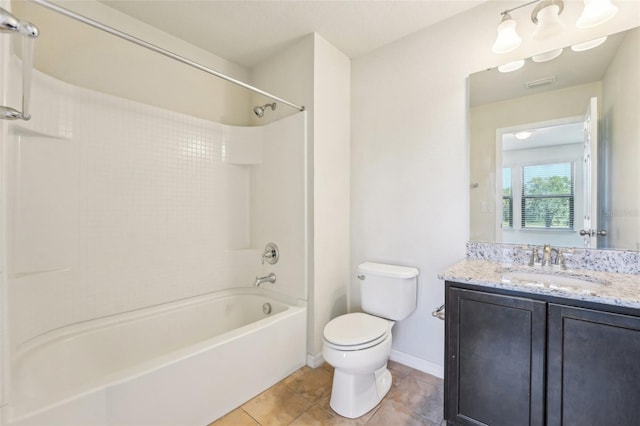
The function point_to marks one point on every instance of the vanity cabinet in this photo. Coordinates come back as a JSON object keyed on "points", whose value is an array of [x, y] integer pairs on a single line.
{"points": [[519, 359], [495, 359], [593, 367]]}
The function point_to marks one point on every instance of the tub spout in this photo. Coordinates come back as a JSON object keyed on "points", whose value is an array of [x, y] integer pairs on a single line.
{"points": [[271, 278]]}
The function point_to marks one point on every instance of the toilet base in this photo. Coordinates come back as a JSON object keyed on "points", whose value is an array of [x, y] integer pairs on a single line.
{"points": [[353, 395]]}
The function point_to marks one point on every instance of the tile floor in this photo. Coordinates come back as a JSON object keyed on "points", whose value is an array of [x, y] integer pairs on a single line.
{"points": [[415, 398]]}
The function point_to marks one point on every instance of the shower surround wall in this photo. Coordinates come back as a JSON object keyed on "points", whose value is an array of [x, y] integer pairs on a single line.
{"points": [[115, 206]]}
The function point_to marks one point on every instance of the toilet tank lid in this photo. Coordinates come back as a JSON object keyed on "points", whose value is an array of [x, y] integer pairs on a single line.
{"points": [[386, 270]]}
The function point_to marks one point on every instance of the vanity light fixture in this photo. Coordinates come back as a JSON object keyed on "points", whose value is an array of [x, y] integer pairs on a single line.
{"points": [[547, 56], [508, 39], [524, 135], [546, 16], [596, 12], [511, 66], [581, 47]]}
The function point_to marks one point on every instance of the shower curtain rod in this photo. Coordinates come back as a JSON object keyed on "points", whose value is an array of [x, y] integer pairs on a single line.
{"points": [[160, 50]]}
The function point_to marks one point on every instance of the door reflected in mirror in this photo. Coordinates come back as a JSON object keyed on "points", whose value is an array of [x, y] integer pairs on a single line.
{"points": [[545, 164], [541, 180]]}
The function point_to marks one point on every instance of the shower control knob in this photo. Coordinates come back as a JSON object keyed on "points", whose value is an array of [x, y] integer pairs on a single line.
{"points": [[271, 253]]}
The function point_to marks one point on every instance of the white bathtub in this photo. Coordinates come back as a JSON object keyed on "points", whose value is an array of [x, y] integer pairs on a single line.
{"points": [[184, 363]]}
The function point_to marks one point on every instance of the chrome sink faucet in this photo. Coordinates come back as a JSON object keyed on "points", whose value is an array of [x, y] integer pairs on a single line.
{"points": [[547, 258], [271, 278]]}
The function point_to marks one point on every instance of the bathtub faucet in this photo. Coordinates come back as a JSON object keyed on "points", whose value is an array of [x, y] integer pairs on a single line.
{"points": [[271, 278]]}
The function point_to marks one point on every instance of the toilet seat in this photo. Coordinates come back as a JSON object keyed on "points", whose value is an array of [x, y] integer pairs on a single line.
{"points": [[356, 331]]}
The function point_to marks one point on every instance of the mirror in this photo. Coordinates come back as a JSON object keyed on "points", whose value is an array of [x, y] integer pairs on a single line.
{"points": [[551, 99]]}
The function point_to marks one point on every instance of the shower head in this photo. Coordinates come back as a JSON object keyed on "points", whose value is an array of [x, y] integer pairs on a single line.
{"points": [[259, 110]]}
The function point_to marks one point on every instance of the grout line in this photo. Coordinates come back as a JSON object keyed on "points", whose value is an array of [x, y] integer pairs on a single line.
{"points": [[300, 415], [254, 419]]}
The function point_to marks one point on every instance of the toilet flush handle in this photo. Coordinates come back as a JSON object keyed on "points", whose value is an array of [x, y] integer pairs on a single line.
{"points": [[360, 277]]}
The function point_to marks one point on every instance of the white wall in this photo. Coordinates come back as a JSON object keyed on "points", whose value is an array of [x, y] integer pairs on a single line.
{"points": [[290, 75], [621, 137], [79, 54], [315, 74], [332, 72], [277, 203], [409, 152]]}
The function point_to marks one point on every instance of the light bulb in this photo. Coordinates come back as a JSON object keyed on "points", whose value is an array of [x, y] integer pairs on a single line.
{"points": [[547, 56], [596, 12], [511, 66], [508, 39], [581, 47]]}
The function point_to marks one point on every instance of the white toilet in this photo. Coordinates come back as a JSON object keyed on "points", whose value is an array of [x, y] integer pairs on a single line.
{"points": [[358, 345]]}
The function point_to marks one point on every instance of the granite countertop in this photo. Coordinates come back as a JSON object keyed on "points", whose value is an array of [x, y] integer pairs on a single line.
{"points": [[611, 288]]}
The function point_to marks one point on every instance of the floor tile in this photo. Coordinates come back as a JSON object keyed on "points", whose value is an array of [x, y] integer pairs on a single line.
{"points": [[392, 414], [327, 367], [399, 370], [424, 398], [302, 399], [323, 402], [278, 405], [310, 383], [320, 417], [237, 417]]}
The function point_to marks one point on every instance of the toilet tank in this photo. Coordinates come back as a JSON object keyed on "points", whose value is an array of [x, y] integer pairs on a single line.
{"points": [[388, 291]]}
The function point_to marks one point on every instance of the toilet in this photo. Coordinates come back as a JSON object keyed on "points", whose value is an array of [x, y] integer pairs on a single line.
{"points": [[358, 345]]}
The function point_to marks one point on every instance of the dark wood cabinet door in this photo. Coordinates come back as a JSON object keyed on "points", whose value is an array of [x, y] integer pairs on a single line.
{"points": [[496, 348], [593, 368]]}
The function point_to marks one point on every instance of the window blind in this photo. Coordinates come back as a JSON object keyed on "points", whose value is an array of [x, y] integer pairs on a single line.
{"points": [[548, 196]]}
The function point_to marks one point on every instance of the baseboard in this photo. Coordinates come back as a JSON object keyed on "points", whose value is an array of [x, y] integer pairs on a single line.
{"points": [[314, 361], [418, 363]]}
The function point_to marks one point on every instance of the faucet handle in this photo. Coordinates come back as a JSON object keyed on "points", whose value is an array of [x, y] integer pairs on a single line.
{"points": [[270, 253], [534, 256], [561, 260]]}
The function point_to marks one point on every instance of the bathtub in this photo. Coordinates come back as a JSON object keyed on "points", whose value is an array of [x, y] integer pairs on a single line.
{"points": [[183, 363]]}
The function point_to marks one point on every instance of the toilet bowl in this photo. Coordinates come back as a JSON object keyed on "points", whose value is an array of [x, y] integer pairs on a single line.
{"points": [[358, 345], [360, 378]]}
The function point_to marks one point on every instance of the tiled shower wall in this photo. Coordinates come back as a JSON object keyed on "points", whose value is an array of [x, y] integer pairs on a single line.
{"points": [[115, 205]]}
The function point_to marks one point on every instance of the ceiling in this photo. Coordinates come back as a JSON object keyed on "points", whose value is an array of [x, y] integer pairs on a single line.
{"points": [[562, 134], [248, 31]]}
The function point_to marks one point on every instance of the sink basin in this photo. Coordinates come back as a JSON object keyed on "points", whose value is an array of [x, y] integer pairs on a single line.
{"points": [[551, 279], [558, 279]]}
